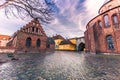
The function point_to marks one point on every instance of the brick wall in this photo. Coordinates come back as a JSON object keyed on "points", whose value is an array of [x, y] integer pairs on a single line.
{"points": [[95, 38]]}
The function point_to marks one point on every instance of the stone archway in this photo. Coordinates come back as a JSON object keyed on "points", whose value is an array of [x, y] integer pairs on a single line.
{"points": [[81, 47]]}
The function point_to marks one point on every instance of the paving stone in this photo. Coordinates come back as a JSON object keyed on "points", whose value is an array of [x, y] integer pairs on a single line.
{"points": [[60, 66]]}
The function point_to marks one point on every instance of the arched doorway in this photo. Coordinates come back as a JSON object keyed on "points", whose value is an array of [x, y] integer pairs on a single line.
{"points": [[81, 47], [38, 42], [28, 42]]}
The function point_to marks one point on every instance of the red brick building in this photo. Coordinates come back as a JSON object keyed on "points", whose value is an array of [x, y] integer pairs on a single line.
{"points": [[103, 31], [30, 38]]}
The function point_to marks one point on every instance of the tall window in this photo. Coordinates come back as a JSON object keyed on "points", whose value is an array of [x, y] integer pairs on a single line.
{"points": [[110, 42], [99, 24], [115, 20], [28, 42], [36, 29], [38, 42], [106, 19], [33, 29]]}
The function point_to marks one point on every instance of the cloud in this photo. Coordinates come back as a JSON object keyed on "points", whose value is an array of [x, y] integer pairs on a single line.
{"points": [[9, 25], [73, 16], [70, 19]]}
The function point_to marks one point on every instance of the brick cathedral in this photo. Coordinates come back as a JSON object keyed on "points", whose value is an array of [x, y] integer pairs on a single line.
{"points": [[103, 31], [31, 38]]}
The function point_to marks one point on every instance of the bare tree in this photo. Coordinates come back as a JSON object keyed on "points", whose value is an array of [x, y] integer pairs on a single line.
{"points": [[41, 9]]}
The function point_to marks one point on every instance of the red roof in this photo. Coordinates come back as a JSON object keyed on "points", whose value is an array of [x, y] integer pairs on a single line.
{"points": [[4, 37]]}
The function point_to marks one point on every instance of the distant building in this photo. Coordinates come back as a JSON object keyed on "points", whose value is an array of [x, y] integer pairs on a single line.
{"points": [[67, 45], [72, 44], [103, 31], [30, 38], [57, 40], [79, 42], [50, 44], [4, 40]]}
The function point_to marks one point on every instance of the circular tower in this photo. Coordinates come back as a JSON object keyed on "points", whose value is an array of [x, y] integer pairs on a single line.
{"points": [[102, 33]]}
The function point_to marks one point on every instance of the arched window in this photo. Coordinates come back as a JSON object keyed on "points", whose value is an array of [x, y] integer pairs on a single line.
{"points": [[28, 42], [106, 19], [38, 42], [99, 24], [115, 20], [110, 42]]}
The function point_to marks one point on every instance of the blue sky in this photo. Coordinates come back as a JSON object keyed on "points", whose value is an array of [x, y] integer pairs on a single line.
{"points": [[70, 19]]}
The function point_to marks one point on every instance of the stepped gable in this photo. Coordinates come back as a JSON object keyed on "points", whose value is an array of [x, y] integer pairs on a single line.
{"points": [[33, 27]]}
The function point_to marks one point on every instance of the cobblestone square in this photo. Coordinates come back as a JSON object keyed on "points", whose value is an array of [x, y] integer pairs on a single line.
{"points": [[60, 65]]}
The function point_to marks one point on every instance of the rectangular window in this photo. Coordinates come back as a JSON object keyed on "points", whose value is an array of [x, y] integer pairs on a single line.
{"points": [[36, 29], [110, 42], [32, 29], [107, 24]]}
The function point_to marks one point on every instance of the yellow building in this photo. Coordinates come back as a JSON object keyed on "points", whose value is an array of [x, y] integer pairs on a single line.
{"points": [[73, 40], [72, 44], [57, 40], [67, 45]]}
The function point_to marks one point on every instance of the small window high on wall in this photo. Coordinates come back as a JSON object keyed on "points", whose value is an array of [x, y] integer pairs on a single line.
{"points": [[106, 19], [110, 42]]}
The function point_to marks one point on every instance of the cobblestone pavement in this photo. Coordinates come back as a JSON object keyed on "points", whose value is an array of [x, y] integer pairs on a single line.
{"points": [[60, 66]]}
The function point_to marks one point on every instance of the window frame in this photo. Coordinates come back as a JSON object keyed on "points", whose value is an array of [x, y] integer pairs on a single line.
{"points": [[28, 42], [110, 42], [116, 24], [106, 23]]}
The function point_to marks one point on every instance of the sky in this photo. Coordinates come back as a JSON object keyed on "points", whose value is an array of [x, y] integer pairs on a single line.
{"points": [[70, 20]]}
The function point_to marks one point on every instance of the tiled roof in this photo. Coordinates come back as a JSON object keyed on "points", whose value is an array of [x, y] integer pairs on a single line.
{"points": [[66, 42], [4, 37], [58, 37], [50, 40]]}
